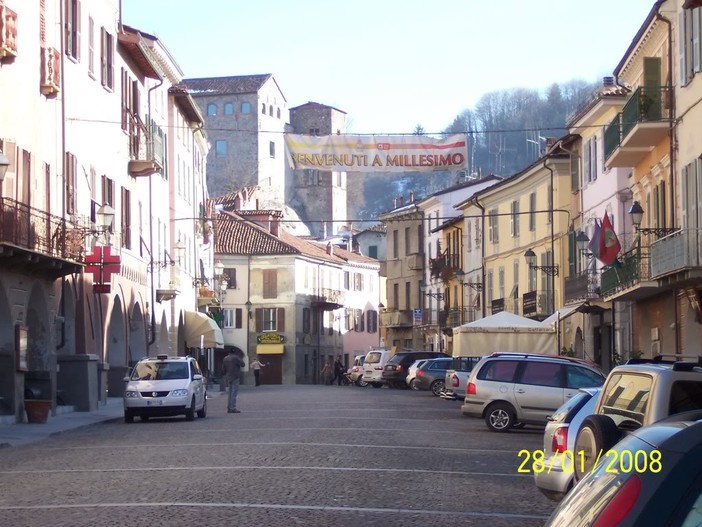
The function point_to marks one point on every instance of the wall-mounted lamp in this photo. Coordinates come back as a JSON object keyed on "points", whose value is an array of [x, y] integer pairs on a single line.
{"points": [[178, 251], [530, 256], [636, 212]]}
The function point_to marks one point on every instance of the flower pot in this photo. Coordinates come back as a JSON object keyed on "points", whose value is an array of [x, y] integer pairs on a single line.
{"points": [[37, 410]]}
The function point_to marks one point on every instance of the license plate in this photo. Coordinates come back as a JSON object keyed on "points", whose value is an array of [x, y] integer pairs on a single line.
{"points": [[154, 403]]}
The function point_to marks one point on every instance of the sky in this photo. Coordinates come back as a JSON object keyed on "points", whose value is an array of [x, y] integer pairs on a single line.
{"points": [[394, 64]]}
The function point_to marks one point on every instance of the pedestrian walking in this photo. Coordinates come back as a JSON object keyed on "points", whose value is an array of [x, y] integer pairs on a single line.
{"points": [[326, 372], [339, 371], [256, 366], [232, 375]]}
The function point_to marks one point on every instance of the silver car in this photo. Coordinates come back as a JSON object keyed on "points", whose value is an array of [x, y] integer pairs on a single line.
{"points": [[559, 444], [509, 388]]}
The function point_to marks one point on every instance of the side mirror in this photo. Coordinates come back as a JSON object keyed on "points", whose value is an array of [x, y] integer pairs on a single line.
{"points": [[126, 379], [197, 377]]}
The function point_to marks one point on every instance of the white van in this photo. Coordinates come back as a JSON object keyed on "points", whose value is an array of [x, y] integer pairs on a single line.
{"points": [[373, 366]]}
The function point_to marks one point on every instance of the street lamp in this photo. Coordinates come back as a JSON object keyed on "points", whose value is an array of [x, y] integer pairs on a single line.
{"points": [[551, 270], [178, 251], [636, 212], [104, 217], [581, 241]]}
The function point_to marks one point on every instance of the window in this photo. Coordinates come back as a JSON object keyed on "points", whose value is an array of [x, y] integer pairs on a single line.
{"points": [[395, 244], [373, 251], [230, 274], [578, 377], [357, 282], [71, 180], [245, 107], [408, 291], [542, 374], [263, 108], [347, 280], [314, 131], [270, 110], [690, 47], [270, 322], [73, 29], [91, 47], [232, 318], [515, 219], [407, 240], [126, 219], [550, 204], [532, 211], [278, 113], [228, 108], [107, 57], [271, 149], [358, 321], [270, 283], [498, 370], [306, 320], [211, 109], [493, 226], [372, 324], [220, 148]]}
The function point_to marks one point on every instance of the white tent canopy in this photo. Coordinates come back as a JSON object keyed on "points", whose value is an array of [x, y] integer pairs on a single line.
{"points": [[503, 331]]}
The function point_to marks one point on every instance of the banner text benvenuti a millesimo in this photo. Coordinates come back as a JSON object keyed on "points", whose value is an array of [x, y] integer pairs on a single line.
{"points": [[355, 153]]}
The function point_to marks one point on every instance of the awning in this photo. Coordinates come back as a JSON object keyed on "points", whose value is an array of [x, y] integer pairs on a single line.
{"points": [[199, 325], [562, 313], [269, 349]]}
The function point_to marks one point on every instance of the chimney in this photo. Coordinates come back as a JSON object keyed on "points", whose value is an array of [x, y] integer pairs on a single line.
{"points": [[355, 247], [607, 81], [274, 223], [330, 249], [411, 199], [402, 201], [394, 203]]}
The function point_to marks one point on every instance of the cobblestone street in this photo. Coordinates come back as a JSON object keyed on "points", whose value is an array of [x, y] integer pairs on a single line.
{"points": [[296, 455]]}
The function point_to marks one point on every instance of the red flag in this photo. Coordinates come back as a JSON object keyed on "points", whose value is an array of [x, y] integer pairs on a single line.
{"points": [[609, 243]]}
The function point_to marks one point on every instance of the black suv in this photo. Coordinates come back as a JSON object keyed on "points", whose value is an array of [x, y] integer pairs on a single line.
{"points": [[395, 372]]}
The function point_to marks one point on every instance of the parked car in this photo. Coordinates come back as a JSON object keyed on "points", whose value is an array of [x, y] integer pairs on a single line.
{"points": [[457, 376], [637, 394], [165, 386], [356, 371], [373, 366], [509, 388], [412, 373], [430, 376], [660, 486], [559, 443], [395, 371]]}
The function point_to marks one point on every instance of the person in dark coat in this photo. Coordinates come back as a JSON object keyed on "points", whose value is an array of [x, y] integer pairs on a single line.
{"points": [[232, 374], [339, 371]]}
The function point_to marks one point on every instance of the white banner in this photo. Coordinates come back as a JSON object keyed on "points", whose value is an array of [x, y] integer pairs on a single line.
{"points": [[389, 153]]}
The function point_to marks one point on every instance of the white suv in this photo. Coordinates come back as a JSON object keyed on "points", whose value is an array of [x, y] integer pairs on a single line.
{"points": [[164, 386]]}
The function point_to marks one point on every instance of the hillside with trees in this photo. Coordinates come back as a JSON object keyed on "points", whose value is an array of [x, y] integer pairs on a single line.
{"points": [[506, 131]]}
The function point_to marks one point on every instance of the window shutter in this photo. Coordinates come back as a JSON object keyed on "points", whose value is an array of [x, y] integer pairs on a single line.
{"points": [[259, 320], [572, 255], [238, 316], [280, 319], [681, 48], [77, 31]]}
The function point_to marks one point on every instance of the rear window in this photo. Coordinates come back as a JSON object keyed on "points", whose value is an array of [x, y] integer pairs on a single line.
{"points": [[464, 363], [498, 370], [579, 377], [439, 364], [685, 396], [395, 359], [373, 357], [626, 397], [566, 412]]}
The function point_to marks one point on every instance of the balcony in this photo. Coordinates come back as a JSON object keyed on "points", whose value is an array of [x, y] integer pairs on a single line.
{"points": [[676, 259], [643, 123], [206, 296], [32, 240], [436, 266], [458, 316], [145, 147], [8, 33], [536, 304], [396, 319], [631, 279], [329, 299], [584, 286], [415, 262]]}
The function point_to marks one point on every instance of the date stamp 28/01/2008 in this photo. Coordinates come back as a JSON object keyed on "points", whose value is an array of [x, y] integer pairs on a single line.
{"points": [[569, 461]]}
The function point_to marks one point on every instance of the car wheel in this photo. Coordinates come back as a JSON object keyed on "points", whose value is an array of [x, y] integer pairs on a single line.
{"points": [[361, 383], [436, 387], [203, 412], [414, 384], [128, 416], [500, 417], [377, 385], [597, 434], [190, 412]]}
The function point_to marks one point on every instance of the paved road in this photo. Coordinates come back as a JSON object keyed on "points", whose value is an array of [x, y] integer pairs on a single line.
{"points": [[296, 455]]}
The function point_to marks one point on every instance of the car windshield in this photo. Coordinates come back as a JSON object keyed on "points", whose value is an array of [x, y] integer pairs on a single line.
{"points": [[395, 359], [159, 371], [373, 357]]}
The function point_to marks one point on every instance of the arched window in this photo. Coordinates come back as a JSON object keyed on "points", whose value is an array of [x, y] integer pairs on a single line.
{"points": [[263, 108], [278, 113], [245, 107], [228, 108], [211, 109], [270, 110]]}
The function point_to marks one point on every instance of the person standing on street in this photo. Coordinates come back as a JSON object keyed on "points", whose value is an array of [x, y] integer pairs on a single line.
{"points": [[232, 374], [256, 365], [339, 371], [326, 372]]}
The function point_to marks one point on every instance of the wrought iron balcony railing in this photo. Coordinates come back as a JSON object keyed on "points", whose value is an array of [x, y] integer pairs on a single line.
{"points": [[634, 269], [676, 252]]}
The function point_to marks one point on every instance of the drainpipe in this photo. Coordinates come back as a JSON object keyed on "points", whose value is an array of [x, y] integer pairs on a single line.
{"points": [[152, 337], [482, 257], [553, 243]]}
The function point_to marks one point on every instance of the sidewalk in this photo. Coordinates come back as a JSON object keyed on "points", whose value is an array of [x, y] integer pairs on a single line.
{"points": [[16, 434]]}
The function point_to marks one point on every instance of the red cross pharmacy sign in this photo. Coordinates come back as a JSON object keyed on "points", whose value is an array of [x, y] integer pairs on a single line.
{"points": [[102, 264]]}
